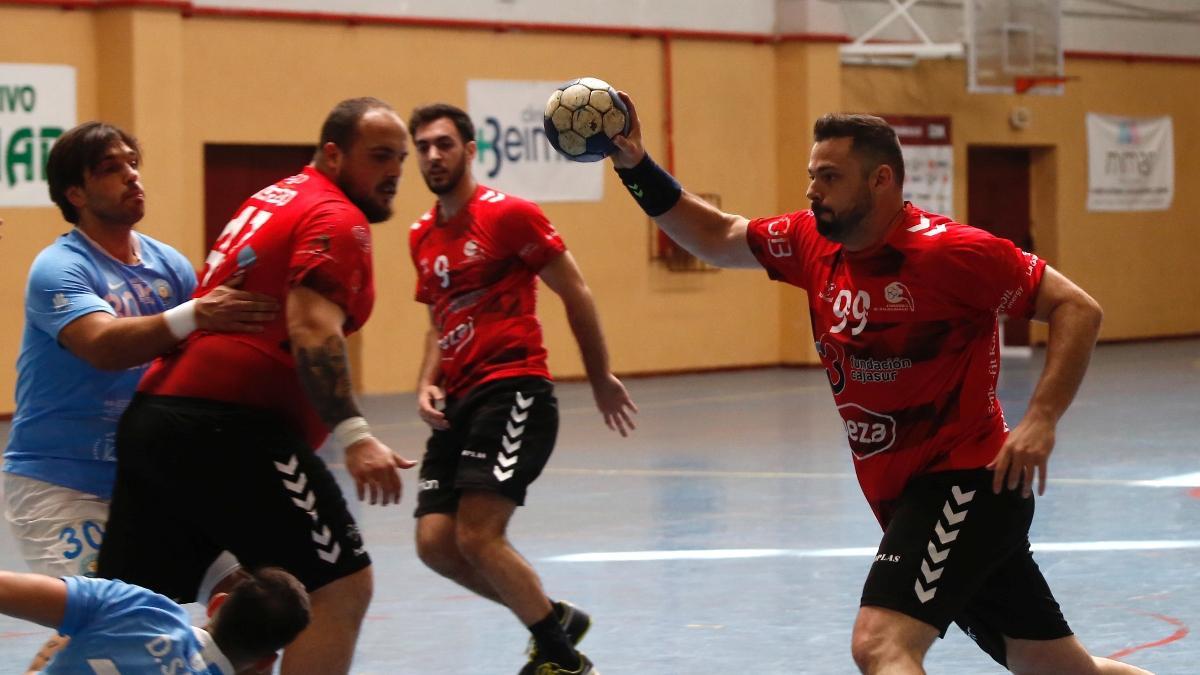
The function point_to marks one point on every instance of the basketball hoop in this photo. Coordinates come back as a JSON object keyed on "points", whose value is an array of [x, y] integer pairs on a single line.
{"points": [[1014, 46], [1022, 85]]}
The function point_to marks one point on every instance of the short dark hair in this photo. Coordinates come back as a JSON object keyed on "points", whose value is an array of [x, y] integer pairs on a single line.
{"points": [[341, 125], [874, 139], [80, 150], [427, 114], [264, 612]]}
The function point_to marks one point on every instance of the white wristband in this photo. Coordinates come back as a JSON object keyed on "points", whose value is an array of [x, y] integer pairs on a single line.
{"points": [[181, 319], [350, 431]]}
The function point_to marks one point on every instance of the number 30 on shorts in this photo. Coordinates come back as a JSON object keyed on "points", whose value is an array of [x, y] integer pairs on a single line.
{"points": [[89, 533]]}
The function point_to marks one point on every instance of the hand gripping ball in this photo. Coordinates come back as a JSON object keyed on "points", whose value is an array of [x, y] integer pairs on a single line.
{"points": [[581, 118]]}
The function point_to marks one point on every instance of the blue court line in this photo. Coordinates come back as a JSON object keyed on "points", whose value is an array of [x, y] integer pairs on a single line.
{"points": [[860, 551]]}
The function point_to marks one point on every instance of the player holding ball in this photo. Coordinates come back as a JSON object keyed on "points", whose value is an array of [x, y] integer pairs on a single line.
{"points": [[904, 304]]}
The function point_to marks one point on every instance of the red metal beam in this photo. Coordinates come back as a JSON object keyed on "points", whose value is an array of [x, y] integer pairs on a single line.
{"points": [[1130, 58], [189, 9]]}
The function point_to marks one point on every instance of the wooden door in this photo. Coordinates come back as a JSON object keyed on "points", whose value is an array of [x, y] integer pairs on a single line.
{"points": [[998, 201]]}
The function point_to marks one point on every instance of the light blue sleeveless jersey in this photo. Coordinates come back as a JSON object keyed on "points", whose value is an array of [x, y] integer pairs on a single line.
{"points": [[64, 428], [116, 628]]}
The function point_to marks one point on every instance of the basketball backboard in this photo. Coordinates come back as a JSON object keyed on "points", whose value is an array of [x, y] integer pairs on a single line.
{"points": [[1014, 46]]}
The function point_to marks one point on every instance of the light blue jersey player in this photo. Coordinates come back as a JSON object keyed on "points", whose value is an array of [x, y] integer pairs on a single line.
{"points": [[118, 628], [101, 302], [67, 411]]}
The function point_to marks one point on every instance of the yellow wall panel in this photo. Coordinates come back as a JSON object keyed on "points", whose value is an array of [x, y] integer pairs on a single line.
{"points": [[742, 122]]}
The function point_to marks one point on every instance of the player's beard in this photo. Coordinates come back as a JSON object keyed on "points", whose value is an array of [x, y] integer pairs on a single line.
{"points": [[842, 227], [376, 211], [448, 181], [122, 213]]}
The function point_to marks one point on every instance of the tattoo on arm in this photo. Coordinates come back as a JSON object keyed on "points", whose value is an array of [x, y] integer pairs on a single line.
{"points": [[324, 371]]}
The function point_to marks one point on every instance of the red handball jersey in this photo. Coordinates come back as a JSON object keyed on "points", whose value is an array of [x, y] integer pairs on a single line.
{"points": [[301, 230], [478, 272], [907, 332]]}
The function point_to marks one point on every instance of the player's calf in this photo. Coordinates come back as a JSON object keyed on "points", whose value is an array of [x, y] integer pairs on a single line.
{"points": [[886, 641], [1062, 656]]}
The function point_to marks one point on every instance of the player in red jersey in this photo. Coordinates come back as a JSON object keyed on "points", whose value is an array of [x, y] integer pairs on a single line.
{"points": [[243, 413], [484, 386], [904, 307]]}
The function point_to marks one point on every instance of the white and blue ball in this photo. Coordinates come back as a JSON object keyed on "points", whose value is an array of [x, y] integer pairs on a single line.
{"points": [[581, 118]]}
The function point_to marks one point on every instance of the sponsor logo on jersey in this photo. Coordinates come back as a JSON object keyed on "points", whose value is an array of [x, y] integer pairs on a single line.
{"points": [[143, 291], [275, 195], [363, 236], [456, 337], [295, 180], [162, 289], [868, 432], [60, 302], [828, 294], [831, 353], [898, 297], [778, 244], [1009, 299], [471, 248], [466, 300], [870, 371]]}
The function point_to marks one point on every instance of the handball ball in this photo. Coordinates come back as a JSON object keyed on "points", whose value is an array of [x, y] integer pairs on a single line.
{"points": [[581, 118]]}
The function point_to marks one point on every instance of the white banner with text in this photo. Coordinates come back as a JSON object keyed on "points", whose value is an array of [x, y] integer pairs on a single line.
{"points": [[1131, 163], [514, 155], [37, 104]]}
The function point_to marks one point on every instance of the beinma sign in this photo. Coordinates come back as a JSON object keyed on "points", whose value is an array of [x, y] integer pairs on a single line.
{"points": [[514, 155], [1131, 163], [37, 104]]}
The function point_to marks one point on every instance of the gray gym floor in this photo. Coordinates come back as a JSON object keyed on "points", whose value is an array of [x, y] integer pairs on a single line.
{"points": [[729, 534]]}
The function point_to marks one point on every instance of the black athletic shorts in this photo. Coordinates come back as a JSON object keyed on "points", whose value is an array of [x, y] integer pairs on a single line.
{"points": [[500, 437], [196, 477], [954, 551]]}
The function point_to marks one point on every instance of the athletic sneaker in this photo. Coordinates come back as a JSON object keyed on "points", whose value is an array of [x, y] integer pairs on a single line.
{"points": [[541, 667], [575, 623]]}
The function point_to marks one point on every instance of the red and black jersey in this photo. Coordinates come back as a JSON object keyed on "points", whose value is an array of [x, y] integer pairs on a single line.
{"points": [[907, 332], [478, 273], [299, 231]]}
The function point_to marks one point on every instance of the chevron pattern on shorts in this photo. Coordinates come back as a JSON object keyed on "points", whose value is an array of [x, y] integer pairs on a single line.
{"points": [[295, 482], [944, 533], [510, 441]]}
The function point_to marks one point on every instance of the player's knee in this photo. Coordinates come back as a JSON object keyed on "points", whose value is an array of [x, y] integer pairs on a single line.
{"points": [[872, 647], [865, 647], [474, 542], [347, 597], [439, 553]]}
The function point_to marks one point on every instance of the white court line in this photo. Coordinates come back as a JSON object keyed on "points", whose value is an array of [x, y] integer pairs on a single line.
{"points": [[1176, 481], [653, 405], [1182, 480], [856, 552], [709, 473]]}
